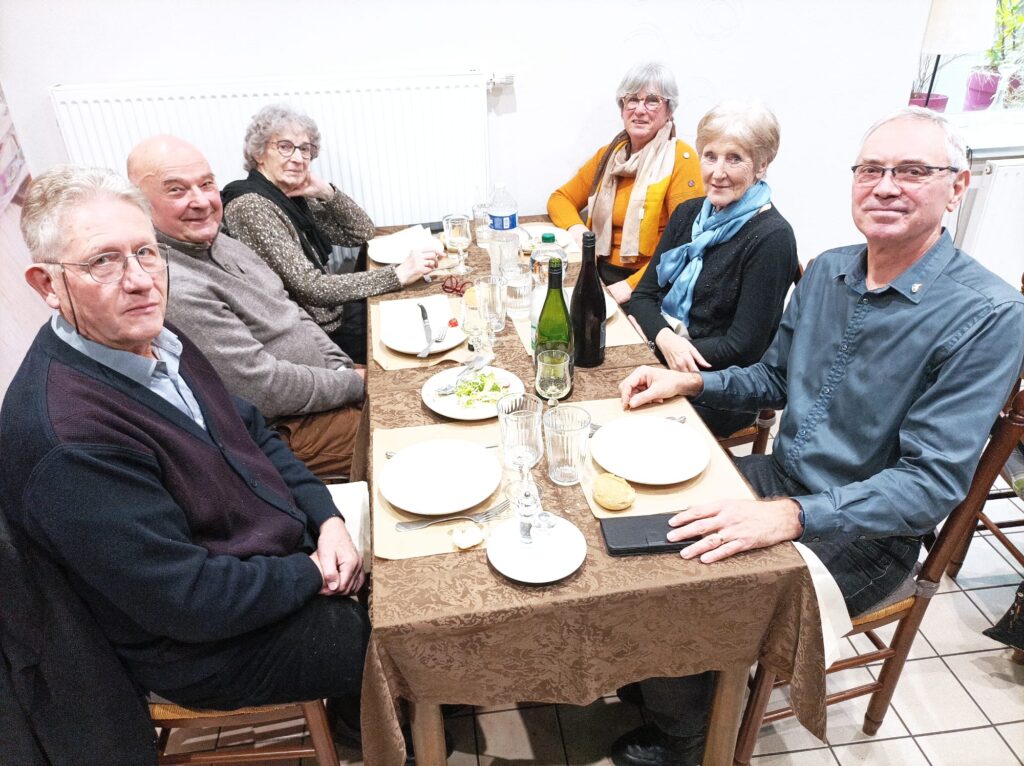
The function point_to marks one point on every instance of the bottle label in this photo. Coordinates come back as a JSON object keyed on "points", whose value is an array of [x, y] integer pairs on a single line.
{"points": [[504, 222]]}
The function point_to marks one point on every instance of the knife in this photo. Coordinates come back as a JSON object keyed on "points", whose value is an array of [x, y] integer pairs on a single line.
{"points": [[426, 326]]}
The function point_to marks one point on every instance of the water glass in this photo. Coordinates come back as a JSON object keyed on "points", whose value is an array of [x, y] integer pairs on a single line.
{"points": [[474, 323], [566, 431], [490, 296], [554, 375], [524, 497], [519, 283], [481, 224], [519, 424], [458, 234], [503, 249]]}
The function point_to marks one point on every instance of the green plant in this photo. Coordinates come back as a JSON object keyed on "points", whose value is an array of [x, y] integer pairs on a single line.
{"points": [[1008, 45]]}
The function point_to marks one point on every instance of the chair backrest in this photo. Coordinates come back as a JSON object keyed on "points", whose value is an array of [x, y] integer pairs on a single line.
{"points": [[1008, 431]]}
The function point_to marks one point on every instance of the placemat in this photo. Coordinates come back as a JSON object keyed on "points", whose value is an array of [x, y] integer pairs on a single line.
{"points": [[388, 543], [393, 360], [618, 330]]}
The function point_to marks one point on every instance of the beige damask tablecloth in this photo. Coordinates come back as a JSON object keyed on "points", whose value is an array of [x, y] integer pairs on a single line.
{"points": [[449, 629]]}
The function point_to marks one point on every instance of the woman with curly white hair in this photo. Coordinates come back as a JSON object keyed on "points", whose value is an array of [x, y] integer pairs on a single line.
{"points": [[292, 218]]}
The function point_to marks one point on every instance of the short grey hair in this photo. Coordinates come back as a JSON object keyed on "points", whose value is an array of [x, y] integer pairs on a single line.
{"points": [[956, 147], [751, 125], [58, 191], [650, 73], [268, 121]]}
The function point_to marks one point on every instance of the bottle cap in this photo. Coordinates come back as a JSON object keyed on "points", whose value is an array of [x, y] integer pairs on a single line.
{"points": [[589, 238], [547, 238], [555, 265]]}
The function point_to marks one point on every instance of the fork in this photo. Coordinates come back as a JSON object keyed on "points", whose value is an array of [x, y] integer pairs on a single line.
{"points": [[438, 337], [595, 427], [491, 513]]}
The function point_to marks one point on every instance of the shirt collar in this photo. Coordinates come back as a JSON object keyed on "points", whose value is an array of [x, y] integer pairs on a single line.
{"points": [[137, 368], [190, 249], [913, 283]]}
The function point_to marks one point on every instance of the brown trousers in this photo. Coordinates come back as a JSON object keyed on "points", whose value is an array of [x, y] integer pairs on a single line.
{"points": [[330, 443]]}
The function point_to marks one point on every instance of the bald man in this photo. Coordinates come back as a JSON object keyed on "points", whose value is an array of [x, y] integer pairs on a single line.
{"points": [[225, 297]]}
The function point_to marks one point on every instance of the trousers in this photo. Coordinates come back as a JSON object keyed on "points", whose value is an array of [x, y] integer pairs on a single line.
{"points": [[866, 571], [324, 441]]}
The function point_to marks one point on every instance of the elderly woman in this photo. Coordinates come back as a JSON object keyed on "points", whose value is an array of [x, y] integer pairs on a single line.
{"points": [[291, 218], [631, 186], [712, 295]]}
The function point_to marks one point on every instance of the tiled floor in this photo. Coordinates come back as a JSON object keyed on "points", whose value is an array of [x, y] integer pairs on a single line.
{"points": [[960, 700]]}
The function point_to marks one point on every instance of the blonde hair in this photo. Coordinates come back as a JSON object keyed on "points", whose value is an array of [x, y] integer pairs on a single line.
{"points": [[751, 125], [53, 194]]}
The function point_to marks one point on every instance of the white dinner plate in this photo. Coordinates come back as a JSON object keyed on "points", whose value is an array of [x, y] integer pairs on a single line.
{"points": [[449, 405], [536, 230], [439, 476], [650, 450], [401, 325], [557, 554], [395, 248], [610, 306]]}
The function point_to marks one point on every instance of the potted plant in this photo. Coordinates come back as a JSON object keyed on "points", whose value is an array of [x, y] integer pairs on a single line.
{"points": [[928, 66], [1004, 59]]}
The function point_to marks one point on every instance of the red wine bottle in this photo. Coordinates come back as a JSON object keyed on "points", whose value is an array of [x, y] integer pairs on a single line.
{"points": [[587, 310]]}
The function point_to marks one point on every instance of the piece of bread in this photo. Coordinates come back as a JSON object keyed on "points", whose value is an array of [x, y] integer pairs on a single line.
{"points": [[613, 492]]}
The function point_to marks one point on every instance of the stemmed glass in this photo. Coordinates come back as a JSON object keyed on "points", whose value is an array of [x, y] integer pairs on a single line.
{"points": [[458, 233], [519, 422]]}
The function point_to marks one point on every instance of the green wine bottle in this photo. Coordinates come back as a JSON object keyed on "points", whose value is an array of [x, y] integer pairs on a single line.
{"points": [[554, 334]]}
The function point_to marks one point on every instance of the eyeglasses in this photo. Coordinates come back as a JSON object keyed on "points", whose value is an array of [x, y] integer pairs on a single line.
{"points": [[455, 286], [911, 174], [651, 103], [107, 268], [286, 149]]}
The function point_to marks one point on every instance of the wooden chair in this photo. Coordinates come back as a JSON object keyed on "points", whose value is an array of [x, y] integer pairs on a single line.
{"points": [[907, 613], [167, 716]]}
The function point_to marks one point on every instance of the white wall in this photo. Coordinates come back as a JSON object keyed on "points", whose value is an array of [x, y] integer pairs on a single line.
{"points": [[827, 67]]}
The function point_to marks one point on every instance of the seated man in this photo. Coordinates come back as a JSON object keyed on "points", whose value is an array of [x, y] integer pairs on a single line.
{"points": [[211, 558], [892, 362], [266, 348]]}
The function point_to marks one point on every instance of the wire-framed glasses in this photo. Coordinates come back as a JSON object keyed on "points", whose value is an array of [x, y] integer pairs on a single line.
{"points": [[286, 149], [908, 174], [106, 268]]}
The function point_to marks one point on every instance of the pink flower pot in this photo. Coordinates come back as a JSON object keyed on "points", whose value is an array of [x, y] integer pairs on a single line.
{"points": [[937, 102], [982, 85]]}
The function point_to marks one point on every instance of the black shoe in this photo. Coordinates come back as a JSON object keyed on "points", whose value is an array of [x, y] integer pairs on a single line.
{"points": [[631, 693], [650, 746], [343, 720]]}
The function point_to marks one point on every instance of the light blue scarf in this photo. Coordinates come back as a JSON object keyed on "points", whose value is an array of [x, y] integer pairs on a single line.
{"points": [[681, 265]]}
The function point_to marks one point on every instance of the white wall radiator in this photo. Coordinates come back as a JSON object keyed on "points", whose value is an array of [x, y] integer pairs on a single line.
{"points": [[407, 148], [991, 228]]}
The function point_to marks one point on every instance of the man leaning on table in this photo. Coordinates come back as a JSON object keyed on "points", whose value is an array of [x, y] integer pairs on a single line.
{"points": [[892, 362], [210, 557], [235, 308]]}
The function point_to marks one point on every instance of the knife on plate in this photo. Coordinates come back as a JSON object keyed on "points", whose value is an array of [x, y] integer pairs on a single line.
{"points": [[429, 336]]}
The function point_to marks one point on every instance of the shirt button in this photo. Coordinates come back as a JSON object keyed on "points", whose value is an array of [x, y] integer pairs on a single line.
{"points": [[863, 300], [815, 539], [692, 183], [845, 346], [862, 537], [253, 483], [686, 155], [827, 390], [803, 432]]}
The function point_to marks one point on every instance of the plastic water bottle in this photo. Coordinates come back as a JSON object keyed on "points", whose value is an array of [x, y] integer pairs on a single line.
{"points": [[503, 210]]}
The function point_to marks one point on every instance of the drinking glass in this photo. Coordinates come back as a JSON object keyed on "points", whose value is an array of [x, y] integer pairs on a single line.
{"points": [[458, 234], [566, 430], [503, 249], [519, 423], [474, 322], [481, 224], [518, 283], [554, 375], [524, 497], [490, 295]]}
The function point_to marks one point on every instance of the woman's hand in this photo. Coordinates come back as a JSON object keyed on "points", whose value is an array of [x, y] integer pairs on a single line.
{"points": [[620, 291], [577, 231], [313, 188], [419, 263], [679, 353]]}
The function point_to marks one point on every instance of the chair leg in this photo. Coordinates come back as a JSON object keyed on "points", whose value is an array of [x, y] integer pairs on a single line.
{"points": [[757, 704], [1017, 656], [320, 733], [906, 630], [957, 560]]}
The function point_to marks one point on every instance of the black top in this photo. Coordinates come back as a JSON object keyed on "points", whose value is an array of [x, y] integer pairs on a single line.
{"points": [[738, 298]]}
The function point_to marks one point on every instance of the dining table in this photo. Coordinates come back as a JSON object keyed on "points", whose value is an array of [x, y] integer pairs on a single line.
{"points": [[448, 628]]}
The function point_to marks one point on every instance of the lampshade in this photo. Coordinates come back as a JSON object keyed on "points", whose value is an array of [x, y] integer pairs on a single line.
{"points": [[959, 26]]}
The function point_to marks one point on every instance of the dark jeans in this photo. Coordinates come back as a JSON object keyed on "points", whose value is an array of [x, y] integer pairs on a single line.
{"points": [[350, 335], [724, 422], [866, 571], [611, 274], [316, 652]]}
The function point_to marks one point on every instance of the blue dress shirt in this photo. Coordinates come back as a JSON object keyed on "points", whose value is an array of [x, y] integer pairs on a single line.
{"points": [[889, 394]]}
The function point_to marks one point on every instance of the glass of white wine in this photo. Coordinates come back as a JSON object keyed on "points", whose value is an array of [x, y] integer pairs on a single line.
{"points": [[458, 233], [474, 321], [554, 375]]}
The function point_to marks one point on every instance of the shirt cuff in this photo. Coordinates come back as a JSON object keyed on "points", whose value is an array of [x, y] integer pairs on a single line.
{"points": [[712, 387], [820, 517]]}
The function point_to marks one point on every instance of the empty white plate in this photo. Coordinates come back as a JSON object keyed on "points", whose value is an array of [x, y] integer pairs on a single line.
{"points": [[401, 325], [610, 306], [449, 405], [557, 554], [439, 476], [650, 450]]}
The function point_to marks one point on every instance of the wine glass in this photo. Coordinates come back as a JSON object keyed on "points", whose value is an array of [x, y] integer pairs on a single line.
{"points": [[519, 422], [554, 375], [491, 298], [474, 321], [458, 233]]}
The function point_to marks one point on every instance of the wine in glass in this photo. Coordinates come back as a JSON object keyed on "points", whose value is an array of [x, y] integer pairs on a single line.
{"points": [[554, 375], [458, 233]]}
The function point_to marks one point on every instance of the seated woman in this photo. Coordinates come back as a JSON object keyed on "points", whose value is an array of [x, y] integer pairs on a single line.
{"points": [[291, 219], [631, 186], [712, 295]]}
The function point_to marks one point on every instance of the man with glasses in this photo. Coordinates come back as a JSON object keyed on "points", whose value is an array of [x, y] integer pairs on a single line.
{"points": [[209, 555], [266, 348], [892, 362]]}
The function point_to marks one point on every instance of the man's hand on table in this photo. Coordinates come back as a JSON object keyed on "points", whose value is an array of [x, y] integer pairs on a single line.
{"points": [[339, 562], [655, 384], [727, 527]]}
